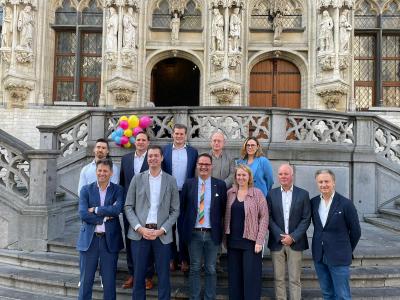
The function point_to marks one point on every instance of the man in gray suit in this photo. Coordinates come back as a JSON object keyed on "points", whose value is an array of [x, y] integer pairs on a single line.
{"points": [[152, 207], [223, 166], [289, 217]]}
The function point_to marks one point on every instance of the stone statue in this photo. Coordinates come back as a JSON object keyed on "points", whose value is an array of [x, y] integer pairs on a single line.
{"points": [[112, 31], [7, 28], [175, 25], [344, 32], [217, 31], [25, 27], [326, 33], [277, 25], [130, 26], [235, 24]]}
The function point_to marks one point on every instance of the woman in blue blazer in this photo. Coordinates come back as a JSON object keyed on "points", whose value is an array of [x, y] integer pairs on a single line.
{"points": [[252, 155]]}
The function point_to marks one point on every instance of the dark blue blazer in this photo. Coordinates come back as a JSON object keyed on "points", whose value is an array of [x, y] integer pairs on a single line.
{"points": [[299, 219], [338, 239], [127, 170], [191, 160], [113, 204], [189, 208]]}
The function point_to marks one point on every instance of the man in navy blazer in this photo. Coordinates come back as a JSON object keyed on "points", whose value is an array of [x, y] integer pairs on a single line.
{"points": [[289, 217], [179, 161], [100, 236], [336, 234], [132, 164], [203, 209]]}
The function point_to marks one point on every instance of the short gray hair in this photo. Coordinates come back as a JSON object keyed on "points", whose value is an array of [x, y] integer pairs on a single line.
{"points": [[326, 171]]}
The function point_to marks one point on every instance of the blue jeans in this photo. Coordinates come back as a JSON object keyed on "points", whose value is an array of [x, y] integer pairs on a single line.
{"points": [[333, 280], [200, 246]]}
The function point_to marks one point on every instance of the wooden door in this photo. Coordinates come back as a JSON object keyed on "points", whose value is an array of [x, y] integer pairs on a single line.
{"points": [[275, 83]]}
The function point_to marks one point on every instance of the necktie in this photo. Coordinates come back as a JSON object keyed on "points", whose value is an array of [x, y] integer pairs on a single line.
{"points": [[201, 206]]}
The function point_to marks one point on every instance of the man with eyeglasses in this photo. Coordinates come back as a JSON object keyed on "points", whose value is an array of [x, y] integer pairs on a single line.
{"points": [[203, 206]]}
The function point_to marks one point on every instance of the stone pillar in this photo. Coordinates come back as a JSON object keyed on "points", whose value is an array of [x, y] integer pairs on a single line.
{"points": [[48, 137], [364, 167], [42, 219]]}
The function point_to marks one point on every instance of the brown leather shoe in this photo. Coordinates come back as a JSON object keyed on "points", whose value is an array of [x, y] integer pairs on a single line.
{"points": [[184, 266], [149, 283], [128, 283], [172, 266]]}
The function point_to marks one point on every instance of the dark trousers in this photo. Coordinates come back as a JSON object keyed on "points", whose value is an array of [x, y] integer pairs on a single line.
{"points": [[129, 259], [141, 250], [244, 274], [98, 253], [183, 253]]}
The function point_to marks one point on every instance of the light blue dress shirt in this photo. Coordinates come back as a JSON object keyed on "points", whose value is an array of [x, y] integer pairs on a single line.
{"points": [[179, 165], [207, 204], [88, 175]]}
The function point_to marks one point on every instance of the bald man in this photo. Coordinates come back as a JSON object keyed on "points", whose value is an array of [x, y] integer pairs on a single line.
{"points": [[289, 217], [223, 166]]}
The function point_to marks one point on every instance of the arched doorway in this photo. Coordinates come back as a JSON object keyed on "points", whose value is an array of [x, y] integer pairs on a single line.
{"points": [[175, 82], [275, 83]]}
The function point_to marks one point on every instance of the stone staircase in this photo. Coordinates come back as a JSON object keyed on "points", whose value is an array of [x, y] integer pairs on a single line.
{"points": [[388, 218], [55, 274]]}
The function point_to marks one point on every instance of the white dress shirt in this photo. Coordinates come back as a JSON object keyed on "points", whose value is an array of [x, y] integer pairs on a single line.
{"points": [[138, 162], [155, 188], [324, 208], [286, 204]]}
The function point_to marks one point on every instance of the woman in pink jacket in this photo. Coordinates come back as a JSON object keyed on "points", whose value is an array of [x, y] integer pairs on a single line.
{"points": [[246, 226]]}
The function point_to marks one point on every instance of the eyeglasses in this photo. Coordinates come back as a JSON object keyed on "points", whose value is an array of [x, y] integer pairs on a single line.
{"points": [[251, 145], [203, 165]]}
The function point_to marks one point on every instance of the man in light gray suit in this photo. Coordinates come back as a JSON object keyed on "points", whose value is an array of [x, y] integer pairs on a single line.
{"points": [[151, 208], [289, 217]]}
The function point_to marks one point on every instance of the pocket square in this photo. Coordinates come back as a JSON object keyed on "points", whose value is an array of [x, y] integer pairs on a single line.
{"points": [[216, 195]]}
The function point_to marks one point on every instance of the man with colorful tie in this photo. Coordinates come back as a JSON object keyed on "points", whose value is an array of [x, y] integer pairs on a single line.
{"points": [[203, 206]]}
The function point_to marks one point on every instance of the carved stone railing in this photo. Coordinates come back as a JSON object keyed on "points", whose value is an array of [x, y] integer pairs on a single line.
{"points": [[387, 141]]}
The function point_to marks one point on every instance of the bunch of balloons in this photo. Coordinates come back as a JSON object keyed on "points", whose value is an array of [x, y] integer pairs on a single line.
{"points": [[127, 129]]}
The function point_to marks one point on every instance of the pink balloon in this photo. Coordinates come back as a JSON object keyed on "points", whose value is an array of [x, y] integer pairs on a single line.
{"points": [[145, 122], [136, 130], [124, 140], [124, 124]]}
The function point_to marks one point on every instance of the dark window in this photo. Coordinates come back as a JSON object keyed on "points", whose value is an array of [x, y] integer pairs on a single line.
{"points": [[192, 17], [77, 71], [1, 18], [161, 15]]}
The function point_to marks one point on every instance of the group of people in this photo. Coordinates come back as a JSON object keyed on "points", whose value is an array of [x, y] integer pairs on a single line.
{"points": [[179, 207]]}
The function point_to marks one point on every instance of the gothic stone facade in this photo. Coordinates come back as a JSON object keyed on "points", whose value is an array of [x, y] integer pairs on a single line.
{"points": [[60, 56]]}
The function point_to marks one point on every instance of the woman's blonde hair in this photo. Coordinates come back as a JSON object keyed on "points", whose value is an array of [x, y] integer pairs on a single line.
{"points": [[243, 151], [248, 171]]}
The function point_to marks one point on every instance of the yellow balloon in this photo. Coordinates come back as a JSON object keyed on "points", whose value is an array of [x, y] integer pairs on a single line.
{"points": [[133, 121], [123, 118], [127, 145], [128, 132]]}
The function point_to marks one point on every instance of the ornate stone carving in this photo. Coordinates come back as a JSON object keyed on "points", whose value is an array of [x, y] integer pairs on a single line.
{"points": [[18, 89], [129, 26], [335, 3], [112, 31], [234, 60], [111, 58], [217, 59], [387, 144], [132, 3], [326, 61], [32, 3], [25, 27], [128, 57], [345, 30], [6, 28], [235, 26], [175, 26], [227, 3], [344, 61], [6, 55], [217, 31], [277, 26], [225, 93], [122, 91], [23, 56], [332, 96], [177, 6], [325, 37]]}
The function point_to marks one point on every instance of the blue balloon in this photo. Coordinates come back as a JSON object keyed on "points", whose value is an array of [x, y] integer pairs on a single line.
{"points": [[120, 132], [117, 139], [132, 140], [113, 135]]}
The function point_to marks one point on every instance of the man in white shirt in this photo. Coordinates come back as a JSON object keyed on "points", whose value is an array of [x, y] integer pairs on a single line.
{"points": [[289, 218], [101, 150], [152, 208]]}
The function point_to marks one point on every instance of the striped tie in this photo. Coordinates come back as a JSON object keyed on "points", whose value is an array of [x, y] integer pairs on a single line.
{"points": [[201, 206]]}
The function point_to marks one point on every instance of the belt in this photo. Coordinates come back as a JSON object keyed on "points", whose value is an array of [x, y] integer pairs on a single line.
{"points": [[99, 234], [202, 229], [151, 226]]}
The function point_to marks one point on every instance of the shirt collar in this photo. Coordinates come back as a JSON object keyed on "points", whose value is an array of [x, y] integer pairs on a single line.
{"points": [[290, 190], [97, 182], [205, 181], [155, 177], [330, 199], [140, 156], [173, 146]]}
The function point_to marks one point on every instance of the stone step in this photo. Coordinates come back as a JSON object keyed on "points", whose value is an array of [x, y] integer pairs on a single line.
{"points": [[19, 294], [390, 213], [397, 203], [66, 285], [384, 223]]}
